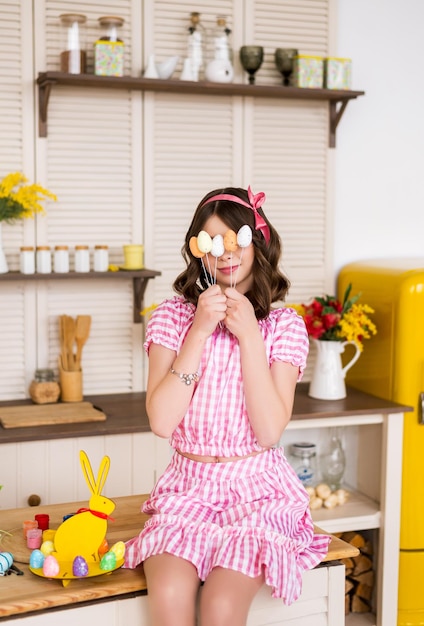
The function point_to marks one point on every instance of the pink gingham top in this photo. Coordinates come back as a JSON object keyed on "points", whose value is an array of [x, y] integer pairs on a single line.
{"points": [[216, 422]]}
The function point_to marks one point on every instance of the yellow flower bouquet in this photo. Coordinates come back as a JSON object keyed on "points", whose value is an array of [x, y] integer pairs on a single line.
{"points": [[19, 200]]}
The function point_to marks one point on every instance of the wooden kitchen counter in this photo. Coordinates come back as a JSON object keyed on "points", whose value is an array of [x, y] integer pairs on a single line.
{"points": [[22, 595], [126, 413]]}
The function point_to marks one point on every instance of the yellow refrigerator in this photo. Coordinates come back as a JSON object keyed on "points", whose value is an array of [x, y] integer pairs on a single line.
{"points": [[392, 367]]}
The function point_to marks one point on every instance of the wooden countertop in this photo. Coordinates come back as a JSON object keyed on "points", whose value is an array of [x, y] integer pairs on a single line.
{"points": [[28, 593], [126, 413]]}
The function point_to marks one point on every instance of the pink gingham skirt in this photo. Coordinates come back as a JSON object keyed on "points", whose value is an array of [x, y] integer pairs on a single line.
{"points": [[250, 515]]}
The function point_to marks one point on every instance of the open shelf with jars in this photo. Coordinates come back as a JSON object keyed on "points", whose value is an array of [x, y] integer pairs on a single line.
{"points": [[139, 278]]}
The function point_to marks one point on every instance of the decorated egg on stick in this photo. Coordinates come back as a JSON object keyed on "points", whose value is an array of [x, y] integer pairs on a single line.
{"points": [[244, 236], [194, 248], [204, 242], [217, 249], [230, 241]]}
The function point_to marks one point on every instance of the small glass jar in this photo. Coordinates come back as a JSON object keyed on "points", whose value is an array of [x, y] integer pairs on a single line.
{"points": [[73, 57], [303, 461], [44, 389], [101, 258], [61, 259], [44, 260], [82, 259], [27, 260]]}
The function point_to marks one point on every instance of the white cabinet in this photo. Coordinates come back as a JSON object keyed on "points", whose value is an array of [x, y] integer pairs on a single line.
{"points": [[51, 469], [373, 446]]}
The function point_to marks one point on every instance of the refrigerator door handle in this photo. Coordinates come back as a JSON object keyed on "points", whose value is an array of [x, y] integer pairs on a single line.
{"points": [[421, 408]]}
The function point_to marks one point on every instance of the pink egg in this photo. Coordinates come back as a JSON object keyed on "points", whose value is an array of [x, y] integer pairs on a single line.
{"points": [[50, 566], [79, 566]]}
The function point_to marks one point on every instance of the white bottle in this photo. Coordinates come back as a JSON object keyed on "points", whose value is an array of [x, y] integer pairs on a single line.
{"points": [[44, 260], [82, 259], [61, 259], [27, 260], [196, 45], [101, 258], [220, 67]]}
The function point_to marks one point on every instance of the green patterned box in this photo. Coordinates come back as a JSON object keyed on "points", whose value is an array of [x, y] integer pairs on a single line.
{"points": [[308, 71], [109, 58], [337, 73]]}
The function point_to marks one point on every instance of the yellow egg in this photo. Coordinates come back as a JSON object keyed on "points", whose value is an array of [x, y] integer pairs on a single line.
{"points": [[47, 547], [118, 549], [230, 241], [204, 241], [194, 249]]}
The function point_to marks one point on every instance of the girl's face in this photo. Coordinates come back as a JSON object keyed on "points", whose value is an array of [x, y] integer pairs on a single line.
{"points": [[232, 268]]}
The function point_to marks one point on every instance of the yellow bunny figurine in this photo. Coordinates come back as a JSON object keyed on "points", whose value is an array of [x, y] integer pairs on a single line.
{"points": [[83, 533]]}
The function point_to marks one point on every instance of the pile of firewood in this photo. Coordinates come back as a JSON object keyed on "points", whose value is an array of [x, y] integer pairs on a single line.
{"points": [[359, 574]]}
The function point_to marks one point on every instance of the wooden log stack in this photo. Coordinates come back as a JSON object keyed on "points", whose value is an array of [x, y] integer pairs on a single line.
{"points": [[359, 574]]}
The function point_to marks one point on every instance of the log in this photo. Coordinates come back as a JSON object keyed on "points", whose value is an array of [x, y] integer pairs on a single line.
{"points": [[362, 564], [359, 606], [355, 539], [364, 592], [365, 578]]}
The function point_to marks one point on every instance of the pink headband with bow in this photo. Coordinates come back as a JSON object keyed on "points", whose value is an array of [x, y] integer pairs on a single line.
{"points": [[255, 200]]}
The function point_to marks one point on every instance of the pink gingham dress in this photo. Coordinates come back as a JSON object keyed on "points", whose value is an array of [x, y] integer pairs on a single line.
{"points": [[250, 515]]}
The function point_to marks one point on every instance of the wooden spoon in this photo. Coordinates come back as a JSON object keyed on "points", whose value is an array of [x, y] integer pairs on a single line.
{"points": [[82, 332], [69, 332]]}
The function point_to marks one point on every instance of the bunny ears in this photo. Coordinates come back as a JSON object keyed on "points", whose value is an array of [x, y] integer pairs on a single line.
{"points": [[203, 243], [255, 202]]}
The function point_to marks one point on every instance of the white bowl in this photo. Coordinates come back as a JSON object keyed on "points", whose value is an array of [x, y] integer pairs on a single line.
{"points": [[167, 67]]}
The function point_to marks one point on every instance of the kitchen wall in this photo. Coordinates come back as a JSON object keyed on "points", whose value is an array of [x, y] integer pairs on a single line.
{"points": [[379, 191], [129, 167]]}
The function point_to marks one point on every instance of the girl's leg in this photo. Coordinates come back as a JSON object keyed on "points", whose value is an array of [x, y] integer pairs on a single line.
{"points": [[226, 597], [172, 585]]}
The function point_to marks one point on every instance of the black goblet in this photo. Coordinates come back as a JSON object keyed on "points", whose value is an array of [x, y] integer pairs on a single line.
{"points": [[251, 58], [284, 60]]}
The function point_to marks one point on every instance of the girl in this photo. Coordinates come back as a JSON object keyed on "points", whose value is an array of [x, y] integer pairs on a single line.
{"points": [[223, 365]]}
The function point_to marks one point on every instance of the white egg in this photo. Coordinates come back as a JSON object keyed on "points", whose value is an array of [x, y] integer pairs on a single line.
{"points": [[204, 242], [244, 236], [217, 246]]}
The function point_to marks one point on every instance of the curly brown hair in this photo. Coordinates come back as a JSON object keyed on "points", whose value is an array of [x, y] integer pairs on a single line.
{"points": [[269, 284]]}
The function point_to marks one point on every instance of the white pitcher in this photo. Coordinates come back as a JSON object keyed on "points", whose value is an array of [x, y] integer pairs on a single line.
{"points": [[328, 376]]}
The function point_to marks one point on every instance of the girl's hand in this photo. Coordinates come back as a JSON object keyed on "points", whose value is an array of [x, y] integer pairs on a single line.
{"points": [[240, 318], [211, 309]]}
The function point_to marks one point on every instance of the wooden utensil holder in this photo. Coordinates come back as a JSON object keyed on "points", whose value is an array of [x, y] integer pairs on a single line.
{"points": [[70, 385]]}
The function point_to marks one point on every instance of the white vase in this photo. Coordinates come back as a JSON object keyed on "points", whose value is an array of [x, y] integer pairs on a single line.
{"points": [[328, 376], [4, 268], [151, 71], [187, 73]]}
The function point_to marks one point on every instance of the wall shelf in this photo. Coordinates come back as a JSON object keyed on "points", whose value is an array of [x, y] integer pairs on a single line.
{"points": [[337, 99], [139, 278]]}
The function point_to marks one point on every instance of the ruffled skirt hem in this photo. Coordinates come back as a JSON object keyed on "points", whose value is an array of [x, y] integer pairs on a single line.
{"points": [[251, 551]]}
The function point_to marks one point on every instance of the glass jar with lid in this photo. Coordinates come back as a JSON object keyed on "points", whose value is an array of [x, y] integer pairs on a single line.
{"points": [[73, 57], [27, 260], [109, 48], [44, 389], [82, 258], [61, 259], [303, 460]]}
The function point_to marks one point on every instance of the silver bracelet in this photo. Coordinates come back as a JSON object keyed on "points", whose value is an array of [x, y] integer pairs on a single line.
{"points": [[187, 379]]}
